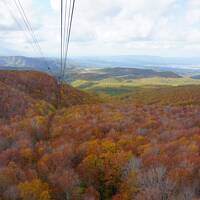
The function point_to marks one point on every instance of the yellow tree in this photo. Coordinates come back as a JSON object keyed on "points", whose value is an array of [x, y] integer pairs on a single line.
{"points": [[34, 190]]}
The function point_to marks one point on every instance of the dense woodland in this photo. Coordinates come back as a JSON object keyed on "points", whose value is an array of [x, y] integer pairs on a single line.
{"points": [[89, 149]]}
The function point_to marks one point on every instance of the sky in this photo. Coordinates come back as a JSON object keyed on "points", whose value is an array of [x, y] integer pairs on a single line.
{"points": [[106, 27]]}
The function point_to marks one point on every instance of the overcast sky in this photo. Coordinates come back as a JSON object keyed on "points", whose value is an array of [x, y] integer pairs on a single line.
{"points": [[107, 27]]}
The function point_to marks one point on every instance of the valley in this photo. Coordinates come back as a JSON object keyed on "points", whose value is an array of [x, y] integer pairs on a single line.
{"points": [[116, 87]]}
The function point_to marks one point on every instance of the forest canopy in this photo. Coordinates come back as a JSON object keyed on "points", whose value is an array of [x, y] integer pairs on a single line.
{"points": [[90, 148]]}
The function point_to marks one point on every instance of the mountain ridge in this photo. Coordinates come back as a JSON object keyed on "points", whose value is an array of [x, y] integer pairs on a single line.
{"points": [[178, 65]]}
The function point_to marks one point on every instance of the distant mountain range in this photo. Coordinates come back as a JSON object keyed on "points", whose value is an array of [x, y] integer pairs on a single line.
{"points": [[181, 66], [21, 62], [196, 77]]}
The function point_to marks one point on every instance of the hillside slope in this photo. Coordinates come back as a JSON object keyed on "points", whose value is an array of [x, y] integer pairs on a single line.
{"points": [[13, 102], [26, 92], [16, 105], [42, 86], [165, 95]]}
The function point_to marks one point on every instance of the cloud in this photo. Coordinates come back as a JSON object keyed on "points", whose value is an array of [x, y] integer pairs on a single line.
{"points": [[109, 27], [55, 4]]}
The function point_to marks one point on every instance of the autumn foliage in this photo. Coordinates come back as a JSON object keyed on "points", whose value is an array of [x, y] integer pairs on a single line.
{"points": [[92, 150]]}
